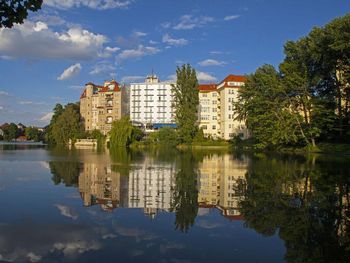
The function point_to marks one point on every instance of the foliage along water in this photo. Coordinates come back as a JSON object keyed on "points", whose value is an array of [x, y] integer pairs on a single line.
{"points": [[170, 206]]}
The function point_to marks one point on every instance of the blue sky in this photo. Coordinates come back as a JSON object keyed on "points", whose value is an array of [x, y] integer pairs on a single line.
{"points": [[66, 44]]}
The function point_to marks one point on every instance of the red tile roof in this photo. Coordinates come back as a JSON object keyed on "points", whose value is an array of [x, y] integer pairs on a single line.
{"points": [[207, 87], [232, 78], [236, 78]]}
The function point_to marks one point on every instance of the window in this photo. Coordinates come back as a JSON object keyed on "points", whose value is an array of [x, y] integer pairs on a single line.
{"points": [[214, 118], [214, 94], [214, 109], [109, 119], [214, 102], [231, 135], [204, 95], [109, 110], [214, 127], [204, 127]]}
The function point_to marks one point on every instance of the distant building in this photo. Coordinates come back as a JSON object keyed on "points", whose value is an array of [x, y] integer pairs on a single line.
{"points": [[1, 133], [151, 102], [100, 106], [216, 112]]}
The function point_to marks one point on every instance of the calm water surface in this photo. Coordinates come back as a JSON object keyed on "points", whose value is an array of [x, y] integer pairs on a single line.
{"points": [[170, 206]]}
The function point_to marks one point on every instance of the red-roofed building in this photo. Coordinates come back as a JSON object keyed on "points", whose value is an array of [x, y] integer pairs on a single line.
{"points": [[100, 106], [216, 114]]}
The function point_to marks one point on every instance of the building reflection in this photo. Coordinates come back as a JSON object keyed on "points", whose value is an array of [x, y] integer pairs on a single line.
{"points": [[221, 184], [150, 184]]}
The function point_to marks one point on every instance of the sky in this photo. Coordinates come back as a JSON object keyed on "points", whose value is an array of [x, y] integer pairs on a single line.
{"points": [[68, 43]]}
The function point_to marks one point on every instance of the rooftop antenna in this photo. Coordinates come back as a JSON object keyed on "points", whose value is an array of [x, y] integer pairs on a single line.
{"points": [[152, 73]]}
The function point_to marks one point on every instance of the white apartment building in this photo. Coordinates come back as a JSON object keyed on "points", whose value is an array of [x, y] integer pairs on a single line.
{"points": [[216, 112], [151, 102]]}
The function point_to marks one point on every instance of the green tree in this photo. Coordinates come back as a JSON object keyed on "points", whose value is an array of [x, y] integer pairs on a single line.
{"points": [[15, 11], [67, 125], [10, 132], [121, 133], [262, 103], [32, 133], [186, 103], [57, 111]]}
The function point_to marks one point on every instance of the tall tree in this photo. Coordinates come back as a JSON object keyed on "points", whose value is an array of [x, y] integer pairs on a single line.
{"points": [[15, 11], [186, 103]]}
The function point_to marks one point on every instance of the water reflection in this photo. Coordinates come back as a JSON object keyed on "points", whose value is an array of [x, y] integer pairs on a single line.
{"points": [[98, 206]]}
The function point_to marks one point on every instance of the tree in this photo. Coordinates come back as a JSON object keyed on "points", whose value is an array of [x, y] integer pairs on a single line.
{"points": [[186, 103], [121, 133], [67, 125], [10, 132], [15, 11], [32, 133], [57, 111], [263, 105]]}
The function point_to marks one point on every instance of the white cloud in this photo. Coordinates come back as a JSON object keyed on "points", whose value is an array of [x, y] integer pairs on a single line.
{"points": [[112, 49], [205, 77], [35, 40], [108, 51], [29, 102], [231, 17], [211, 62], [49, 19], [70, 72], [102, 67], [140, 34], [189, 22], [165, 24], [173, 41], [67, 211], [46, 118], [215, 52], [33, 257], [141, 51], [129, 79], [94, 4], [3, 93]]}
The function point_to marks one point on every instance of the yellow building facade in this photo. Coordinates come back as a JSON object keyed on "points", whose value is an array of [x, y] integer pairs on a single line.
{"points": [[100, 106], [216, 114]]}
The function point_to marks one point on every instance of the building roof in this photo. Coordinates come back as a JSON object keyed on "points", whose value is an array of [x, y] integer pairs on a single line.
{"points": [[206, 87], [104, 88], [231, 78]]}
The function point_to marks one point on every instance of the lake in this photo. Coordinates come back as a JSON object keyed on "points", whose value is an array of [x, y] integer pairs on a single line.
{"points": [[164, 205]]}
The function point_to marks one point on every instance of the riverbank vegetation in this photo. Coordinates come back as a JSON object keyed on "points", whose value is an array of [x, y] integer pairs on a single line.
{"points": [[307, 100]]}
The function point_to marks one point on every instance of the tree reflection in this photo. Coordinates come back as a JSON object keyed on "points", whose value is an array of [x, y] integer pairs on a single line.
{"points": [[305, 202], [185, 193]]}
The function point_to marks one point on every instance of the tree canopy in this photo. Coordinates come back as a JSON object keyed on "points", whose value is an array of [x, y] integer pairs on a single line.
{"points": [[15, 11], [308, 98]]}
